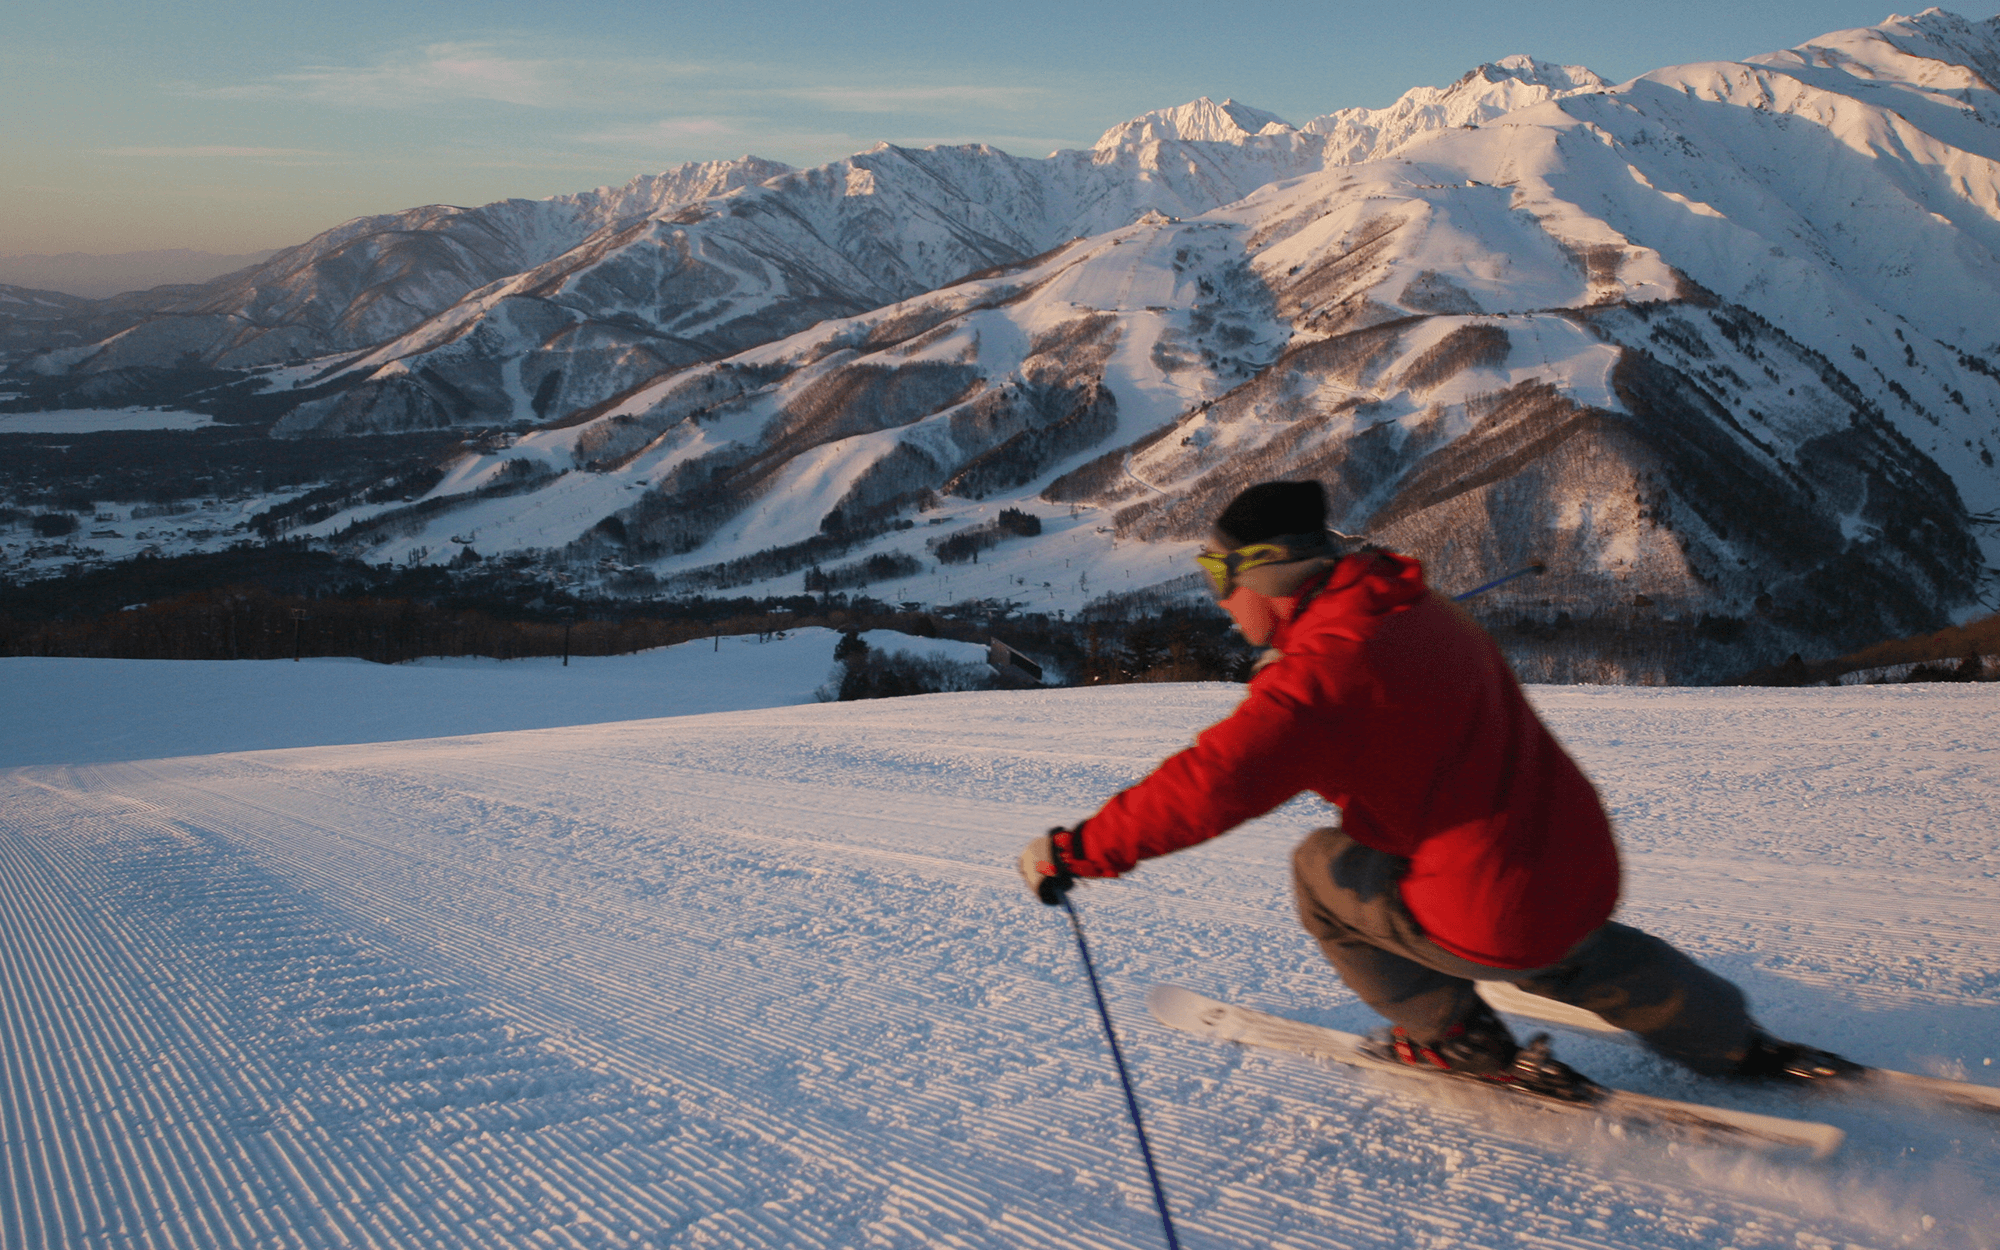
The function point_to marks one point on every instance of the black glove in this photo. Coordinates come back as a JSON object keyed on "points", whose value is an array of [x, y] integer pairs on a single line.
{"points": [[1042, 867]]}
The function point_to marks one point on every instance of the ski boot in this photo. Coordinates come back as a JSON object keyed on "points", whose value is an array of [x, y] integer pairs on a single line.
{"points": [[1479, 1047], [1791, 1063]]}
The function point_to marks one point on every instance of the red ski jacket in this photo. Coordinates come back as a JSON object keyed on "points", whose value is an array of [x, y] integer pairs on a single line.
{"points": [[1391, 703]]}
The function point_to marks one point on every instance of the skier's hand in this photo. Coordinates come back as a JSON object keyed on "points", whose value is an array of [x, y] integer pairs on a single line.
{"points": [[1042, 867]]}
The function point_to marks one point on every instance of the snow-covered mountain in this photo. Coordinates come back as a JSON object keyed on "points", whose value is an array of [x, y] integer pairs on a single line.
{"points": [[28, 316], [739, 269], [1720, 344], [375, 277], [1483, 94], [880, 226], [1203, 120]]}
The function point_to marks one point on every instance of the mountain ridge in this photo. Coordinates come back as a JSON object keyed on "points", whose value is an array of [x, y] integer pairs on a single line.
{"points": [[1720, 344]]}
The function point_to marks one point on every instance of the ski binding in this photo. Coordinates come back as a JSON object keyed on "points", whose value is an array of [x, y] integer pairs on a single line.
{"points": [[1509, 999], [1190, 1012]]}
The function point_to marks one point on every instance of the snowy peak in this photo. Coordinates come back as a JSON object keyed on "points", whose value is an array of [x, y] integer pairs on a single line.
{"points": [[1919, 89], [1894, 49], [373, 278], [652, 193], [1201, 121], [1486, 92], [1937, 55], [1526, 69]]}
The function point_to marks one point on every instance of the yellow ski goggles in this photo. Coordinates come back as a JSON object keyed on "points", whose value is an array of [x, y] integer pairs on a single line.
{"points": [[1223, 566]]}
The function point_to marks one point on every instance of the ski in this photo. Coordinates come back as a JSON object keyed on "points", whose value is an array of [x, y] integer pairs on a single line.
{"points": [[1511, 1000], [1183, 1009]]}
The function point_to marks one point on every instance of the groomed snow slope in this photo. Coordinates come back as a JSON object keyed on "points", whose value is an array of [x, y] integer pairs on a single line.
{"points": [[767, 979], [91, 711]]}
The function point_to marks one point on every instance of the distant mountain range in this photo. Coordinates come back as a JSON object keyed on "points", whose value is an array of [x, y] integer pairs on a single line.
{"points": [[91, 275], [1720, 345]]}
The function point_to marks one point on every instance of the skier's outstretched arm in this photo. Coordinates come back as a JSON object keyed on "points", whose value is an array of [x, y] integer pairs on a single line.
{"points": [[1237, 770]]}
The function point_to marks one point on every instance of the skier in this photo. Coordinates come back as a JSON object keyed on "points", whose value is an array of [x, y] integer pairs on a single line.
{"points": [[1470, 847]]}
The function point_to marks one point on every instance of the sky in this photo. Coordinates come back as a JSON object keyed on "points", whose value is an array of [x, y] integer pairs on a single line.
{"points": [[232, 126]]}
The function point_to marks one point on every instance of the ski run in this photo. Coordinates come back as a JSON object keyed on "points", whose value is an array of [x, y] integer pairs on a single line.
{"points": [[767, 978]]}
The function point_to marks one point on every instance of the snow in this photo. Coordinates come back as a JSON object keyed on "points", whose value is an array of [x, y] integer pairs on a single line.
{"points": [[96, 420], [1488, 92], [1846, 191], [91, 711], [1133, 271], [767, 978], [1840, 192], [1201, 120], [120, 531]]}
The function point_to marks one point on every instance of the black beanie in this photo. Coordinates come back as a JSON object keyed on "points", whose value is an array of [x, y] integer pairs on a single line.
{"points": [[1273, 510]]}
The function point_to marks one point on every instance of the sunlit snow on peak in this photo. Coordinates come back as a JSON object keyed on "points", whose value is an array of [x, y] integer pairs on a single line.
{"points": [[1202, 121]]}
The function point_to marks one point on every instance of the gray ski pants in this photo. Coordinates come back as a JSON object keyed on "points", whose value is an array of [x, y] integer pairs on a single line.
{"points": [[1348, 900]]}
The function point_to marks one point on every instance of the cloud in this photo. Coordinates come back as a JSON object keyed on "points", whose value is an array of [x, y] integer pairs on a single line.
{"points": [[211, 150], [508, 71], [445, 71], [469, 72], [908, 99]]}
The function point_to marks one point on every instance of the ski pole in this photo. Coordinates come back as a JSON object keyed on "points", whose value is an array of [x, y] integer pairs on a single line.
{"points": [[1536, 567], [1118, 1058]]}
